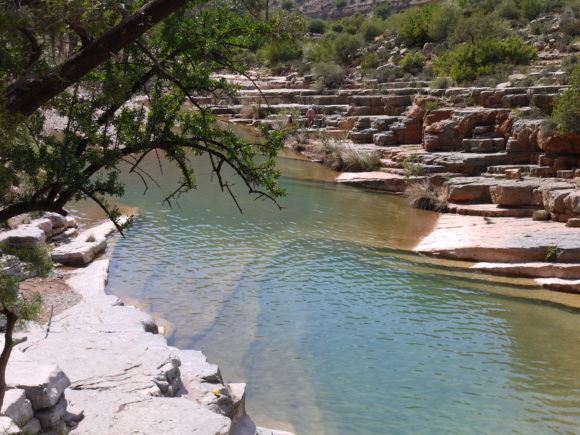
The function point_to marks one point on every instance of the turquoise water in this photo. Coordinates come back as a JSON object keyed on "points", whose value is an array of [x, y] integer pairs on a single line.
{"points": [[335, 332]]}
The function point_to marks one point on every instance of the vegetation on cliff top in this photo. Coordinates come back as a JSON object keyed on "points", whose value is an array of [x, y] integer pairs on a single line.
{"points": [[466, 40]]}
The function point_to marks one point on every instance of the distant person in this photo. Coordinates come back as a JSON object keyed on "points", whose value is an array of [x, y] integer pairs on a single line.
{"points": [[310, 116]]}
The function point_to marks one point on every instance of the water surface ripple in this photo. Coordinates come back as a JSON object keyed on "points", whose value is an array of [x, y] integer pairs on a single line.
{"points": [[335, 335]]}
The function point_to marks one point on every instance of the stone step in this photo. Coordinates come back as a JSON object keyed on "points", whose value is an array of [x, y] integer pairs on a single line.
{"points": [[483, 145], [532, 270], [542, 172], [559, 284], [490, 210], [500, 169], [377, 180], [482, 129]]}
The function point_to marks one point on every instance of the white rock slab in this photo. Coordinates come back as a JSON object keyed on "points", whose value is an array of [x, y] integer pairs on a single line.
{"points": [[17, 406], [24, 235]]}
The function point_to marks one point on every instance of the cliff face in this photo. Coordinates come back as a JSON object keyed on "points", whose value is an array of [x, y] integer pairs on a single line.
{"points": [[340, 9]]}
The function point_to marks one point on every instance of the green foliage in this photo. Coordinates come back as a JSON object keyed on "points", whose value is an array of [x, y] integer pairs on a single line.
{"points": [[288, 5], [478, 26], [329, 74], [11, 300], [337, 27], [412, 62], [317, 26], [552, 253], [530, 9], [383, 10], [370, 61], [346, 46], [473, 59], [567, 106], [371, 29], [339, 4], [441, 83], [170, 64], [37, 257], [278, 52], [418, 25]]}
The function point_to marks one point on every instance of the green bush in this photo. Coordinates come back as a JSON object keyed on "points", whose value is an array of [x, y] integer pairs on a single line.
{"points": [[369, 61], [277, 52], [420, 24], [37, 256], [329, 74], [383, 10], [530, 9], [339, 4], [478, 26], [288, 5], [441, 83], [570, 22], [346, 47], [317, 26], [567, 106], [412, 62], [473, 59], [371, 29], [337, 27]]}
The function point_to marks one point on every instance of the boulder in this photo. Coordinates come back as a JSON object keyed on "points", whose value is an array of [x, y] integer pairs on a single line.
{"points": [[8, 427], [25, 235], [78, 252], [44, 384], [515, 193], [541, 215], [33, 427], [53, 417], [573, 223], [17, 406]]}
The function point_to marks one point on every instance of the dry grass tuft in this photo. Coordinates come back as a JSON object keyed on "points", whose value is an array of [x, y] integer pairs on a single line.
{"points": [[421, 196], [342, 156]]}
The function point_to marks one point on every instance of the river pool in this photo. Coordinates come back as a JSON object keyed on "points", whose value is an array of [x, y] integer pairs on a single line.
{"points": [[332, 327]]}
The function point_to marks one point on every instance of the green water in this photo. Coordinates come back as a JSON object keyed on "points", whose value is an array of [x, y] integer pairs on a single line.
{"points": [[334, 332]]}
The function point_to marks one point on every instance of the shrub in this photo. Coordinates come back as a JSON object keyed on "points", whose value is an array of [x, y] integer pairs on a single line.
{"points": [[371, 29], [319, 51], [570, 22], [478, 26], [346, 157], [442, 21], [441, 83], [276, 52], [385, 75], [471, 60], [339, 4], [422, 197], [420, 24], [329, 74], [36, 256], [567, 106], [508, 10], [287, 5], [337, 27], [412, 62], [530, 9], [317, 26], [369, 61], [346, 47], [383, 10]]}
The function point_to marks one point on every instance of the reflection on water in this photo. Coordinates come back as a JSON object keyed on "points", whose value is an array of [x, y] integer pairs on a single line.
{"points": [[336, 334]]}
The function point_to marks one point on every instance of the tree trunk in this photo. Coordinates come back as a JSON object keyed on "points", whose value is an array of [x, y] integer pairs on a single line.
{"points": [[27, 95], [11, 319]]}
